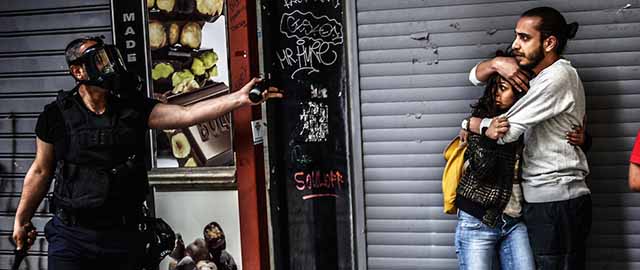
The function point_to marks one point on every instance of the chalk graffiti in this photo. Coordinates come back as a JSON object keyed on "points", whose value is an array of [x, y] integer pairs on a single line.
{"points": [[293, 3], [317, 92], [320, 184], [313, 196], [315, 119], [306, 25], [307, 58], [300, 157], [316, 39]]}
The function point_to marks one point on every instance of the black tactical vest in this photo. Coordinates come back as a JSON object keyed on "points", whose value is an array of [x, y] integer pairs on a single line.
{"points": [[103, 166]]}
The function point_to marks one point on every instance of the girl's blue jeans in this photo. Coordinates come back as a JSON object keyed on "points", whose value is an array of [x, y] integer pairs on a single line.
{"points": [[480, 247]]}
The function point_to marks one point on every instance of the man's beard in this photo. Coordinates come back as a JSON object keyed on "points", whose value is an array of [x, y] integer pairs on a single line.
{"points": [[534, 59]]}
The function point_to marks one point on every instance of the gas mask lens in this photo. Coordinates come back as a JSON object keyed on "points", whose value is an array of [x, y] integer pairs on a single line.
{"points": [[103, 64], [102, 61], [105, 68]]}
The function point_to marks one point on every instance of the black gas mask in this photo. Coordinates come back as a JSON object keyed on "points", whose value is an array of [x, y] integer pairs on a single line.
{"points": [[105, 68]]}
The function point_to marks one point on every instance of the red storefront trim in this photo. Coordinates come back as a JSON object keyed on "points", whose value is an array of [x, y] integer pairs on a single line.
{"points": [[249, 158]]}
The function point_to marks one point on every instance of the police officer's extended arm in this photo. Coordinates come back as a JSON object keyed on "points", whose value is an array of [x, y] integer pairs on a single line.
{"points": [[35, 187], [166, 116]]}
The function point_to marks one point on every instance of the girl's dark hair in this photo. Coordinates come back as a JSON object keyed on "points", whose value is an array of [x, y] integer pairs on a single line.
{"points": [[552, 23], [486, 105]]}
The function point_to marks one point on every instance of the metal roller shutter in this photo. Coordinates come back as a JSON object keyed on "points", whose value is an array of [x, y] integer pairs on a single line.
{"points": [[32, 69], [413, 60]]}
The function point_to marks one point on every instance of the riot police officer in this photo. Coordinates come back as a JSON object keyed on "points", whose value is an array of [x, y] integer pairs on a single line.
{"points": [[91, 140]]}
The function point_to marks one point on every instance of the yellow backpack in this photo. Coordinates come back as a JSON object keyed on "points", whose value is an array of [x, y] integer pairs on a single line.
{"points": [[454, 155]]}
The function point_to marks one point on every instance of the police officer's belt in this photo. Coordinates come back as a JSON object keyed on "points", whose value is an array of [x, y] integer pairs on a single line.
{"points": [[93, 220]]}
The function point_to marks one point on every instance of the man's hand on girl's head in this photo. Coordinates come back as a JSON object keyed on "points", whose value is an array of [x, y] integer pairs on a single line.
{"points": [[509, 69]]}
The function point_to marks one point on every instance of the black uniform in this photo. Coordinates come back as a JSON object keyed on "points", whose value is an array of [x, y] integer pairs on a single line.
{"points": [[100, 181]]}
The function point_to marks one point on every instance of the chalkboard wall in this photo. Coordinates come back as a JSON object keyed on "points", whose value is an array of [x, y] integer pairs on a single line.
{"points": [[304, 54]]}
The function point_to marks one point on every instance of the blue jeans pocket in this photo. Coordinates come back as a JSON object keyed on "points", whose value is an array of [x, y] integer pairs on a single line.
{"points": [[467, 221], [470, 225]]}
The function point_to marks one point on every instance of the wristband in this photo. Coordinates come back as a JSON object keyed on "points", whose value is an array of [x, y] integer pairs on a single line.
{"points": [[465, 124], [486, 123]]}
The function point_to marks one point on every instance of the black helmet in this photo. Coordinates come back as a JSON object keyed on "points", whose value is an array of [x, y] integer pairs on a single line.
{"points": [[160, 241]]}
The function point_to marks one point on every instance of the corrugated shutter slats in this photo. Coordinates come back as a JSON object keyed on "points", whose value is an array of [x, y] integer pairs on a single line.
{"points": [[32, 70], [414, 57]]}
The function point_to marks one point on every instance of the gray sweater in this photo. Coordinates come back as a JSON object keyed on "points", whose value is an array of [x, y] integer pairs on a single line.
{"points": [[553, 169]]}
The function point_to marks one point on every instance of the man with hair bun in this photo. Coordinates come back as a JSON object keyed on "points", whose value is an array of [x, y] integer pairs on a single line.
{"points": [[558, 210]]}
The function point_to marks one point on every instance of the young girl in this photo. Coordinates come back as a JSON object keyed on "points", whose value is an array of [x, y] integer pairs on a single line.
{"points": [[489, 195], [490, 231]]}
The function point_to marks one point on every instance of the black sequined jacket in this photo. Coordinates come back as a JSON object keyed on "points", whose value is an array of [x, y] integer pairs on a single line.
{"points": [[486, 184]]}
